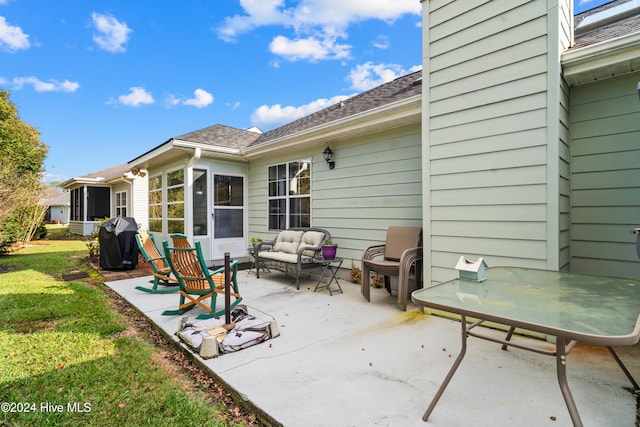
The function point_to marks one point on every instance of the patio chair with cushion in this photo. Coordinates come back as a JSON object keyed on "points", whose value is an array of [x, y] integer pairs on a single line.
{"points": [[197, 283], [158, 264], [401, 252]]}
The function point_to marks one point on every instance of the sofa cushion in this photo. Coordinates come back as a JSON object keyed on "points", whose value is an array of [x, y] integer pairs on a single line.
{"points": [[283, 257], [288, 241], [311, 239]]}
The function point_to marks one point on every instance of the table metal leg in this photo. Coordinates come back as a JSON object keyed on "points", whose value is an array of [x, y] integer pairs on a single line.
{"points": [[624, 368], [561, 367], [443, 386]]}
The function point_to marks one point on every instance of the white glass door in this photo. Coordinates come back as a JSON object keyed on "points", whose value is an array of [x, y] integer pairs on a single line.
{"points": [[228, 215]]}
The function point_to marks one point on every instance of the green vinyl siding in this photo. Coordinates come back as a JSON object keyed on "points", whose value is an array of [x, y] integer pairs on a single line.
{"points": [[376, 183], [605, 177], [495, 134]]}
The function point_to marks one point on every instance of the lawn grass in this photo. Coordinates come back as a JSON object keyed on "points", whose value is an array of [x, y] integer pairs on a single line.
{"points": [[67, 357], [57, 231]]}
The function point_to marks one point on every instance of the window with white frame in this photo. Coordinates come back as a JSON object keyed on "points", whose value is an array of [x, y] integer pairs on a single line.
{"points": [[175, 201], [290, 195], [155, 203], [121, 203]]}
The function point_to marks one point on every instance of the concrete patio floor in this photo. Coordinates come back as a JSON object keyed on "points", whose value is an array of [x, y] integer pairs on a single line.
{"points": [[341, 361]]}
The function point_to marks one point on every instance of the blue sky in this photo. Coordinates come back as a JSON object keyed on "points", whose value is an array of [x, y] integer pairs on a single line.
{"points": [[105, 81]]}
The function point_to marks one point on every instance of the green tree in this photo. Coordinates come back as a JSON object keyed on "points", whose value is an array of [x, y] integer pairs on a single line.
{"points": [[22, 156]]}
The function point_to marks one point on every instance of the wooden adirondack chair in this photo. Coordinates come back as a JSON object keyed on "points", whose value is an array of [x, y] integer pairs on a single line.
{"points": [[159, 265], [180, 240], [197, 283]]}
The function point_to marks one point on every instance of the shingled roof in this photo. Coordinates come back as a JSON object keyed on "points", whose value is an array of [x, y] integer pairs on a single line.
{"points": [[107, 174], [401, 88], [616, 26], [221, 136]]}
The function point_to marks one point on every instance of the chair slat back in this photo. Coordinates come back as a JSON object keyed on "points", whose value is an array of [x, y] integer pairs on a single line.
{"points": [[186, 265], [151, 249], [399, 239], [180, 241]]}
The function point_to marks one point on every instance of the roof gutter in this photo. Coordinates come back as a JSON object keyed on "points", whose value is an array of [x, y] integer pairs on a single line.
{"points": [[178, 143], [600, 55], [83, 181]]}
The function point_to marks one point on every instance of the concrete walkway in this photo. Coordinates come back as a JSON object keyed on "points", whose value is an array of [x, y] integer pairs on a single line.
{"points": [[341, 361]]}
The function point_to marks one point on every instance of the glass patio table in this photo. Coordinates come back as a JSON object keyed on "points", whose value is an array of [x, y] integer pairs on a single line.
{"points": [[571, 307]]}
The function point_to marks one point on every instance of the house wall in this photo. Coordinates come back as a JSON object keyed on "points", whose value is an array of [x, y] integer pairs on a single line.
{"points": [[59, 213], [495, 114], [139, 203], [376, 183], [605, 176]]}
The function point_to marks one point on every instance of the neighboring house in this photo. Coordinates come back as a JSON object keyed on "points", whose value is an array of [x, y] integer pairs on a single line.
{"points": [[57, 207], [108, 193], [531, 135], [523, 150]]}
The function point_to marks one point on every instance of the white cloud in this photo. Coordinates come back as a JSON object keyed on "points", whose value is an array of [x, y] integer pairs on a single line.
{"points": [[137, 96], [317, 24], [310, 48], [42, 86], [272, 116], [369, 75], [258, 13], [201, 99], [11, 37], [111, 34], [382, 42]]}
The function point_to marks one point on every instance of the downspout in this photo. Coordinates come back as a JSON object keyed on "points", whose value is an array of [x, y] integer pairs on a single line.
{"points": [[188, 200], [197, 153], [128, 177]]}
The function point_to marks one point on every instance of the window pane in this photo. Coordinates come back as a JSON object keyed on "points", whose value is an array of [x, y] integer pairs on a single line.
{"points": [[155, 197], [175, 194], [200, 220], [175, 178], [228, 191], [228, 223], [155, 225], [155, 183], [155, 211], [277, 214], [300, 212], [98, 203], [277, 180], [175, 210], [299, 178], [175, 226]]}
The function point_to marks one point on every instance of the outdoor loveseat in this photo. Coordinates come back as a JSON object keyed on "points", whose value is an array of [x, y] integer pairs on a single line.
{"points": [[291, 251]]}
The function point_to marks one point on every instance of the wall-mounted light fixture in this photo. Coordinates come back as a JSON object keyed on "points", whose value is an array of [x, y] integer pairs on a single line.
{"points": [[328, 157]]}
